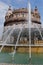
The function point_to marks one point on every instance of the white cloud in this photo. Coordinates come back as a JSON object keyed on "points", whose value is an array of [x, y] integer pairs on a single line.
{"points": [[3, 8]]}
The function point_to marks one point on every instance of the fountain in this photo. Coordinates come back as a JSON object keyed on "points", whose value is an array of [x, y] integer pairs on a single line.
{"points": [[4, 34], [29, 24], [39, 31], [7, 39], [16, 43], [21, 27]]}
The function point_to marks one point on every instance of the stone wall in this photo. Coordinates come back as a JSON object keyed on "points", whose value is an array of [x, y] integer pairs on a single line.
{"points": [[37, 49]]}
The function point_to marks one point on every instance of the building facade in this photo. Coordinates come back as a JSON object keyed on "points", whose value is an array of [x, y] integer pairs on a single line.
{"points": [[19, 16], [17, 19]]}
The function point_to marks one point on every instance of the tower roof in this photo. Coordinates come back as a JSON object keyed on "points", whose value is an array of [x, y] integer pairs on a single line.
{"points": [[36, 8], [9, 8]]}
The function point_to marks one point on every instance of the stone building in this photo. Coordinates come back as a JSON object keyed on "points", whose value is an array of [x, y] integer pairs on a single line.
{"points": [[18, 18]]}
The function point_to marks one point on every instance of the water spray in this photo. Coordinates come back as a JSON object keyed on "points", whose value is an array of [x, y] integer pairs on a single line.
{"points": [[29, 26]]}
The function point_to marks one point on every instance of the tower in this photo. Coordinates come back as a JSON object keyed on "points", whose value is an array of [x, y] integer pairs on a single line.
{"points": [[8, 13]]}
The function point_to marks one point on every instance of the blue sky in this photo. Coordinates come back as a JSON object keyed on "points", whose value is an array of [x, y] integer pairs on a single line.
{"points": [[4, 4]]}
